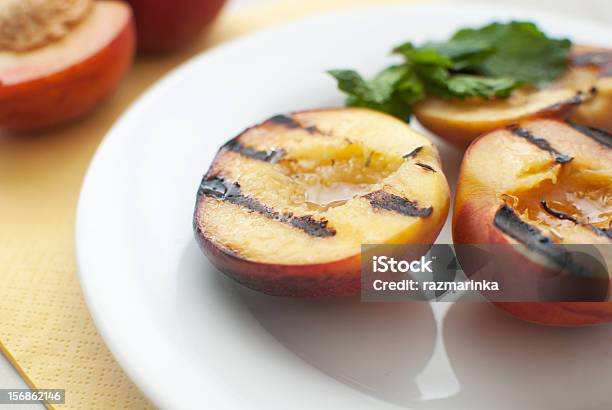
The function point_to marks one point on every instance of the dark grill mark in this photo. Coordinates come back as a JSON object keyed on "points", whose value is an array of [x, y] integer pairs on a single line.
{"points": [[217, 187], [577, 99], [369, 159], [601, 136], [557, 214], [512, 225], [602, 59], [413, 153], [602, 231], [309, 225], [272, 156], [391, 202], [425, 166], [560, 215], [592, 58], [291, 123], [541, 143], [284, 120]]}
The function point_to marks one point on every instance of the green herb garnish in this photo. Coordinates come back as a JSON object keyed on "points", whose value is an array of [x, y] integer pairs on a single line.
{"points": [[487, 62]]}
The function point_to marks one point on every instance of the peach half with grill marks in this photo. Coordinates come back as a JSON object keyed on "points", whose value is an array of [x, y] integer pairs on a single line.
{"points": [[536, 188], [287, 204], [583, 93]]}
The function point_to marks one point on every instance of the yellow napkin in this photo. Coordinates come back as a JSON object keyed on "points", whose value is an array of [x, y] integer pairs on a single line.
{"points": [[45, 329]]}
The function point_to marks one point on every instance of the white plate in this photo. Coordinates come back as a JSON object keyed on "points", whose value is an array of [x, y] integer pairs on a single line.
{"points": [[190, 338]]}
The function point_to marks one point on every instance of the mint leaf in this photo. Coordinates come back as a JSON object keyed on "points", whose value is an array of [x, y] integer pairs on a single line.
{"points": [[423, 55], [393, 90], [444, 84], [522, 51], [486, 62], [465, 54], [465, 85], [455, 54], [376, 91], [410, 88]]}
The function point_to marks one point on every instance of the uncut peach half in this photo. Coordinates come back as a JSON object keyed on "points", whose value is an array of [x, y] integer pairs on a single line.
{"points": [[286, 205], [167, 25], [67, 78], [538, 183], [583, 93]]}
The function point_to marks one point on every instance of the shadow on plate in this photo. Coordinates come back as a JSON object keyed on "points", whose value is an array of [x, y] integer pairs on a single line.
{"points": [[378, 348], [382, 349], [504, 363]]}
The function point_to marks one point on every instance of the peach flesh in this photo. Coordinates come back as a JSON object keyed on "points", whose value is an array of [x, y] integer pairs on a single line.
{"points": [[31, 24], [66, 79]]}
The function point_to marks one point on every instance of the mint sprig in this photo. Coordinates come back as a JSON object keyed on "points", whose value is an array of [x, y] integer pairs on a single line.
{"points": [[487, 62], [393, 90]]}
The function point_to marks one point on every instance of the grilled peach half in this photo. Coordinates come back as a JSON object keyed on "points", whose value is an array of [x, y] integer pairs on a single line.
{"points": [[583, 93], [538, 187], [286, 205], [54, 70]]}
